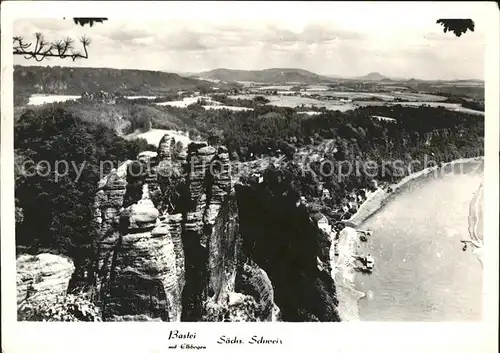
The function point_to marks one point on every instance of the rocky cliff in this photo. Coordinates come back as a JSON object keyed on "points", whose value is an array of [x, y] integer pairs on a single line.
{"points": [[42, 277], [280, 237], [177, 240]]}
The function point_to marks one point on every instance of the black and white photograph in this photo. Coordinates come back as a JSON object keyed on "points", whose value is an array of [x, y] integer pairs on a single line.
{"points": [[234, 169]]}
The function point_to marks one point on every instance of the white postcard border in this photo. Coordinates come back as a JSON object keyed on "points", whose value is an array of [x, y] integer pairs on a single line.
{"points": [[296, 337]]}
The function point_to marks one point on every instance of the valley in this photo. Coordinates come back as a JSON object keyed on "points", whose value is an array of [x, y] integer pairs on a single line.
{"points": [[339, 95], [213, 200]]}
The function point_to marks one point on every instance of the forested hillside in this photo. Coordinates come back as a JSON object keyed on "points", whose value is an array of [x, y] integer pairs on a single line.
{"points": [[123, 117], [76, 80], [54, 211], [72, 134]]}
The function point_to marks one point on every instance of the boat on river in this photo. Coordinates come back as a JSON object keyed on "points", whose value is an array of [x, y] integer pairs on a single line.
{"points": [[365, 263], [364, 234]]}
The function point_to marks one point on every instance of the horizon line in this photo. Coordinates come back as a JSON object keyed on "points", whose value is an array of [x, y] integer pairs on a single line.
{"points": [[180, 73]]}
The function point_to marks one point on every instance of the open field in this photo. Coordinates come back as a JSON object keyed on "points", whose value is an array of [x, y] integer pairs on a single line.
{"points": [[353, 95], [418, 96], [188, 101], [297, 101], [337, 100], [312, 112], [218, 107], [389, 96], [383, 118], [141, 97], [39, 99], [293, 102], [389, 93], [276, 87], [450, 106]]}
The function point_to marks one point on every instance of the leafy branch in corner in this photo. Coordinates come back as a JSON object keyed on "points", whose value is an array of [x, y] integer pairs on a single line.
{"points": [[59, 49], [457, 26], [82, 21]]}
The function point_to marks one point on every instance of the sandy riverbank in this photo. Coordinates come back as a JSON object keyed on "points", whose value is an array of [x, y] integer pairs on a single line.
{"points": [[475, 239], [378, 198], [344, 274], [348, 243]]}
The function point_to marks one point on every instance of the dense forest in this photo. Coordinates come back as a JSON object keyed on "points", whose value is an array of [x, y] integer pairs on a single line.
{"points": [[257, 132], [74, 81], [53, 212], [465, 102]]}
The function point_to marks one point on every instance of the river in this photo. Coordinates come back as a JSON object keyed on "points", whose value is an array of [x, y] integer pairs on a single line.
{"points": [[421, 272]]}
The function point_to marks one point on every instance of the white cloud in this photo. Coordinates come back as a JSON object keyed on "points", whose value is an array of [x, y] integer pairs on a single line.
{"points": [[408, 46]]}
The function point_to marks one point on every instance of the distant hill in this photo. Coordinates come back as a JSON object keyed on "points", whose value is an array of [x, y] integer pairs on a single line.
{"points": [[413, 81], [76, 80], [373, 76], [471, 82], [275, 75], [187, 74]]}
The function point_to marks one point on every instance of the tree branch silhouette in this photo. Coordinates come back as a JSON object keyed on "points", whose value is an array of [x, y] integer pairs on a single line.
{"points": [[457, 26], [58, 49]]}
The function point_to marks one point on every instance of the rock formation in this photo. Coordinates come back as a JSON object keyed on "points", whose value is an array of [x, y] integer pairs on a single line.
{"points": [[101, 97], [254, 281], [280, 237], [138, 272], [107, 207], [181, 242], [144, 274], [42, 278]]}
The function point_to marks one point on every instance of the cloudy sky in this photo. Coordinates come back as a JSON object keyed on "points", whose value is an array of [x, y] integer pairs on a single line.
{"points": [[405, 43]]}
